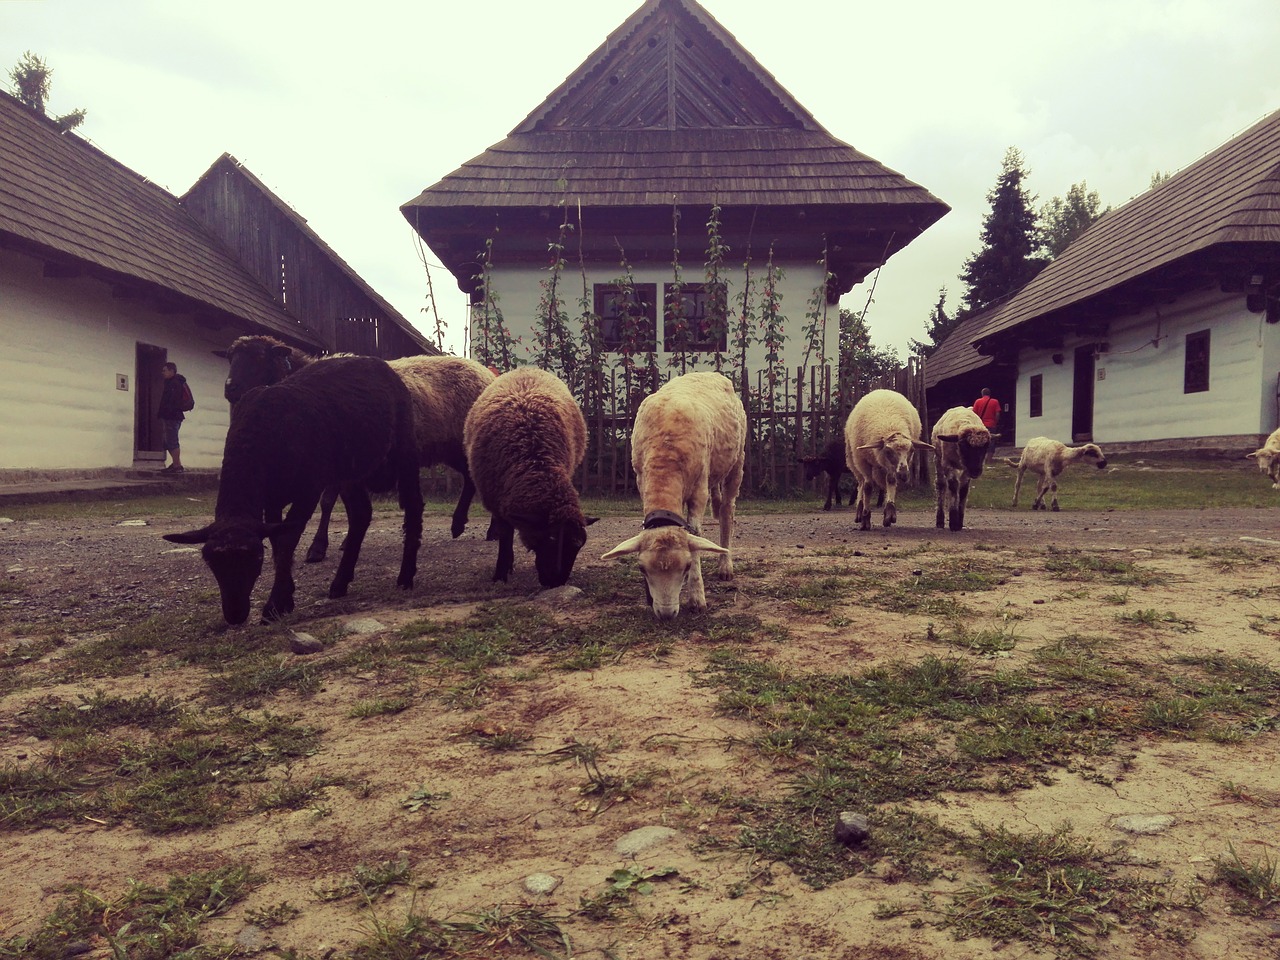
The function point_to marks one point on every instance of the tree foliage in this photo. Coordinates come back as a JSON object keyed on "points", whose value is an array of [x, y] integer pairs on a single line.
{"points": [[31, 78], [937, 327], [861, 362], [1010, 240], [1063, 219]]}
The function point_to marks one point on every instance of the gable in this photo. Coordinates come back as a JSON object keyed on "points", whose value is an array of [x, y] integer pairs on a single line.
{"points": [[670, 66]]}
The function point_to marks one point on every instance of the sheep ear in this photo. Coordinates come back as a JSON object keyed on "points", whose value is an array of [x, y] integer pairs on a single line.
{"points": [[948, 438], [624, 548], [704, 545], [191, 536], [590, 520], [879, 445], [921, 445], [1252, 456]]}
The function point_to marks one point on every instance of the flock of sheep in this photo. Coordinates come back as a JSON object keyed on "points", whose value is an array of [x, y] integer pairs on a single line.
{"points": [[308, 432]]}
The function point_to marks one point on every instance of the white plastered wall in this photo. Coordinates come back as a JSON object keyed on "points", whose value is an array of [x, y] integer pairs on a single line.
{"points": [[63, 345]]}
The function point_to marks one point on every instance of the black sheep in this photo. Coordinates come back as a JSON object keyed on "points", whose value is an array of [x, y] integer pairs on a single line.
{"points": [[344, 423], [831, 462]]}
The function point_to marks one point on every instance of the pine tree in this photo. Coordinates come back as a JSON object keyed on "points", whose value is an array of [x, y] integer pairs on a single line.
{"points": [[1010, 241], [1063, 219], [31, 77], [937, 327]]}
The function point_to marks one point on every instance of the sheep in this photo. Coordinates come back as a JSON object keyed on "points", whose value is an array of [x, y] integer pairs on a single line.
{"points": [[1046, 459], [524, 438], [442, 388], [345, 423], [882, 431], [1268, 457], [688, 445], [961, 443], [831, 462]]}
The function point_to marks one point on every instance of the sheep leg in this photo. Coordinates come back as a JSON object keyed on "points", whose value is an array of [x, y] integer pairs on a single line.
{"points": [[506, 550], [462, 510], [1053, 489], [862, 515], [693, 585], [1017, 485], [283, 544], [409, 496], [890, 508], [1042, 487], [359, 515], [833, 490], [960, 496], [320, 543], [728, 509], [940, 488]]}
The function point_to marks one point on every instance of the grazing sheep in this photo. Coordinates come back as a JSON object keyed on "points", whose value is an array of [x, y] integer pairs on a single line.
{"points": [[882, 431], [345, 423], [442, 388], [688, 445], [960, 445], [1046, 459], [1268, 457], [525, 437], [831, 462]]}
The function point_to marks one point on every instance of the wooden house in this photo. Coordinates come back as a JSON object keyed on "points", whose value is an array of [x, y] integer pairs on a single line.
{"points": [[669, 118], [1158, 328], [104, 276]]}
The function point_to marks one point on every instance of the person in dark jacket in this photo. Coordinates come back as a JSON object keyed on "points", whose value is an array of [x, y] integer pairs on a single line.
{"points": [[171, 415]]}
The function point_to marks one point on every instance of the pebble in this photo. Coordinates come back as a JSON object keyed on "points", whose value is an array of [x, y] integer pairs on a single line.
{"points": [[852, 829], [365, 626], [132, 523], [559, 595], [541, 883], [641, 839], [1143, 823], [305, 643]]}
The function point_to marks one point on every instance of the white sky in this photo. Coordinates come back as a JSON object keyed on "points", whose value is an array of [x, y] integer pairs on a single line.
{"points": [[348, 110]]}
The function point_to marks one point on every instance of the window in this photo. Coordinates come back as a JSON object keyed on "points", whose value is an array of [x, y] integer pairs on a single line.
{"points": [[698, 310], [1036, 401], [1195, 371], [633, 324]]}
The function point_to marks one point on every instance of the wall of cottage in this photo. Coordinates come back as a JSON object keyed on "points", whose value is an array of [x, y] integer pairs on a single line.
{"points": [[1139, 380], [68, 377]]}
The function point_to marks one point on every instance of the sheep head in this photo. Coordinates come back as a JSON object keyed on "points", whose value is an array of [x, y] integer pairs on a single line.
{"points": [[234, 553], [1268, 458], [555, 544], [255, 362], [972, 445], [894, 454], [667, 555], [1091, 451], [813, 467]]}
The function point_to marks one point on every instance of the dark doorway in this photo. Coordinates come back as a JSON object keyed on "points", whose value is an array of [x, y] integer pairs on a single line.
{"points": [[1082, 395], [148, 435]]}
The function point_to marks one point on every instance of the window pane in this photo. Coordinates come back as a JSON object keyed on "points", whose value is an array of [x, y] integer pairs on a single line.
{"points": [[1195, 378], [702, 312], [627, 322], [1037, 395]]}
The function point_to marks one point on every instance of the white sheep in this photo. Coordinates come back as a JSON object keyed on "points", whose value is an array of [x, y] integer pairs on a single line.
{"points": [[1268, 457], [960, 445], [688, 445], [1046, 459], [882, 431]]}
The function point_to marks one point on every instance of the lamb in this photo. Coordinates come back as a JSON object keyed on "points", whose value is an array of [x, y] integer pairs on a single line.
{"points": [[831, 462], [442, 388], [1046, 459], [345, 423], [1268, 457], [960, 445], [688, 445], [524, 437], [882, 431]]}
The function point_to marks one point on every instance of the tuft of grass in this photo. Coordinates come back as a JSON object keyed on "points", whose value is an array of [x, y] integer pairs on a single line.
{"points": [[1257, 883]]}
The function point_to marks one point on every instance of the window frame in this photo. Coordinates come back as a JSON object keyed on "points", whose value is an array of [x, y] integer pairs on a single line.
{"points": [[1195, 362], [1035, 395], [608, 317], [699, 322]]}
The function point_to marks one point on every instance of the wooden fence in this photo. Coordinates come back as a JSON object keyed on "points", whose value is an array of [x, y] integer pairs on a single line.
{"points": [[807, 411]]}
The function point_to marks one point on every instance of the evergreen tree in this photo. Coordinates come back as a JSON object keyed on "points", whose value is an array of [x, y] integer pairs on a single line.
{"points": [[937, 327], [31, 78], [1010, 241], [1063, 219], [861, 362]]}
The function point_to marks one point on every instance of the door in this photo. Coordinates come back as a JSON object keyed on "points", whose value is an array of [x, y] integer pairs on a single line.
{"points": [[148, 435], [1082, 395]]}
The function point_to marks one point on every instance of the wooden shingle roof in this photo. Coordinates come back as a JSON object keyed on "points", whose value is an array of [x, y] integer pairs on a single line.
{"points": [[1218, 215], [63, 199], [671, 109]]}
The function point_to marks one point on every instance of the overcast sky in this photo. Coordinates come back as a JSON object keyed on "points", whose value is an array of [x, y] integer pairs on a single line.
{"points": [[348, 110]]}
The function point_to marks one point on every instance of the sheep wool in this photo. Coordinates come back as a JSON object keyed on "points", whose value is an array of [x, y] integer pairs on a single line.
{"points": [[880, 434], [524, 438], [960, 445], [688, 447], [1268, 457]]}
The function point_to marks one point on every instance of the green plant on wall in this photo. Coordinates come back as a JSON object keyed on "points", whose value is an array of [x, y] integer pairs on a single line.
{"points": [[815, 328], [677, 333], [554, 345], [772, 331], [717, 289], [492, 342]]}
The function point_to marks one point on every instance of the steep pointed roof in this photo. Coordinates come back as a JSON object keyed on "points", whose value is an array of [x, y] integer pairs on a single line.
{"points": [[63, 199], [672, 109], [1216, 220]]}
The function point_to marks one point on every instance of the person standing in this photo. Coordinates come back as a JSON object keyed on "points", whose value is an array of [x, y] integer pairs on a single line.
{"points": [[171, 415], [987, 408]]}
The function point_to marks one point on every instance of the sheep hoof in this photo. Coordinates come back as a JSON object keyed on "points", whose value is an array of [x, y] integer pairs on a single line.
{"points": [[316, 554], [337, 590], [1054, 508], [457, 528]]}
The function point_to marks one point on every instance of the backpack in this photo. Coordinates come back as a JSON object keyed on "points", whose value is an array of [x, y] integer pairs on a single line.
{"points": [[188, 398]]}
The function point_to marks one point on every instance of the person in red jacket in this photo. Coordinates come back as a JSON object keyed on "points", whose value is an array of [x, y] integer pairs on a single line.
{"points": [[987, 408]]}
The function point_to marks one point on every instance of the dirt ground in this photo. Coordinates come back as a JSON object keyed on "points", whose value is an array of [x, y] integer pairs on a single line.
{"points": [[496, 818]]}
